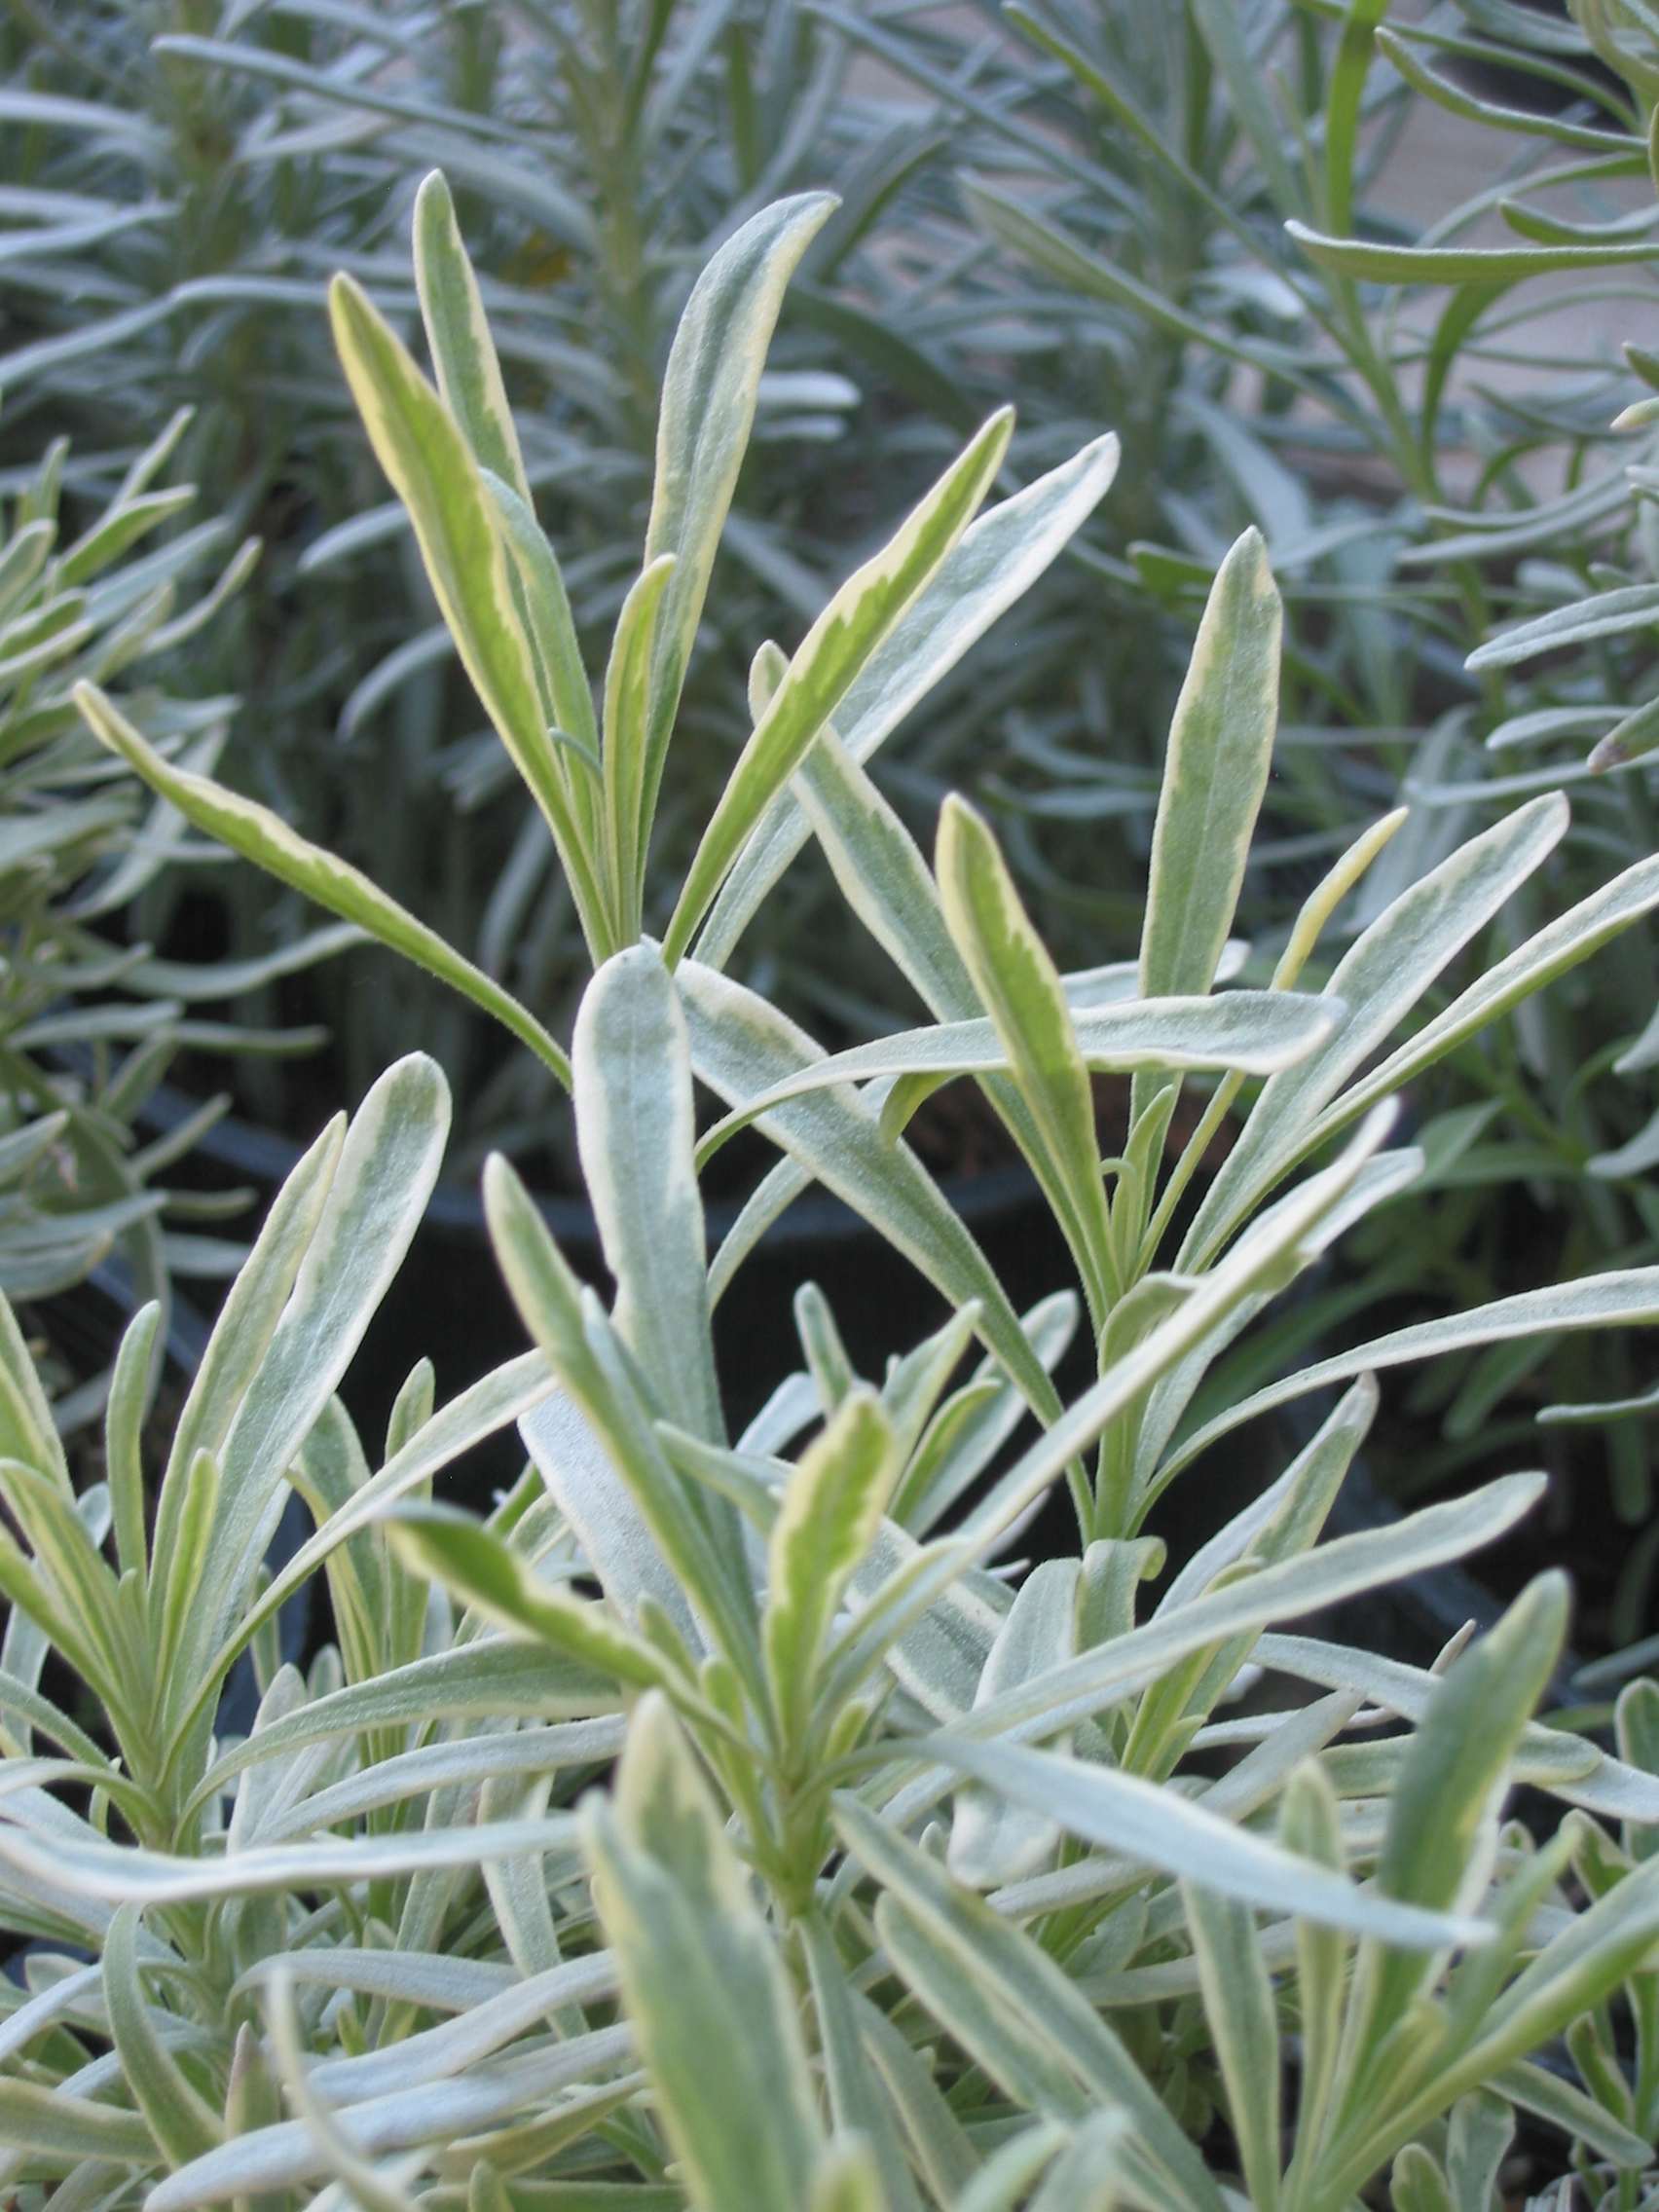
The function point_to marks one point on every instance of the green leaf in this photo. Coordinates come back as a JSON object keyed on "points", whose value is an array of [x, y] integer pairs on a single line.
{"points": [[55, 2124], [1345, 1567], [115, 1875], [831, 1509], [1559, 945], [1015, 2009], [1273, 1244], [708, 408], [464, 352], [1415, 2182], [1442, 1832], [857, 2105], [839, 645], [432, 2112], [1574, 1971], [1627, 1299], [483, 1680], [474, 1415], [545, 606], [635, 1130], [1309, 1823], [365, 2185], [1220, 749], [1379, 264], [846, 2181], [740, 1046], [28, 1430], [994, 1840], [1581, 2119], [387, 1167], [427, 462], [998, 558], [1549, 1757], [612, 1529], [265, 838], [1256, 1032], [702, 1979], [1459, 101], [477, 1567], [1018, 985], [627, 732], [1247, 82], [1158, 1826], [1057, 254], [1238, 2008], [187, 1564], [599, 1451], [183, 2124], [1378, 980], [1600, 615]]}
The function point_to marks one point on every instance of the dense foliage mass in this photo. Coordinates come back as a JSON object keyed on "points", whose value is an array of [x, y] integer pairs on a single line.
{"points": [[977, 1784]]}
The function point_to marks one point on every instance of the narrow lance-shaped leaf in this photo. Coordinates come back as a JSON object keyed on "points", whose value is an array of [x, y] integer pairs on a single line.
{"points": [[1238, 2008], [839, 644], [1148, 1822], [1628, 1297], [130, 1384], [266, 840], [1379, 262], [475, 1413], [183, 2124], [548, 620], [1248, 90], [679, 1561], [740, 1045], [1002, 553], [994, 1840], [387, 1165], [1378, 980], [124, 1873], [1255, 1032], [1556, 949], [702, 1979], [614, 1535], [627, 704], [476, 1567], [1221, 744], [1262, 1257], [1020, 988], [831, 1509], [488, 1680], [1441, 1831], [464, 352], [857, 2104], [635, 1130], [469, 378], [709, 397], [430, 467], [1015, 2007], [1344, 1567]]}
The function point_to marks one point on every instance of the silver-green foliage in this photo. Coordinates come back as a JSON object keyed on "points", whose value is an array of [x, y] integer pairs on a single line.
{"points": [[1412, 391], [101, 590], [177, 183], [920, 1881]]}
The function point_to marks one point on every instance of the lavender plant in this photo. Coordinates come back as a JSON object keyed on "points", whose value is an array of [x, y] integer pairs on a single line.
{"points": [[924, 1876]]}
